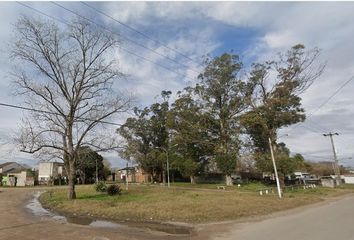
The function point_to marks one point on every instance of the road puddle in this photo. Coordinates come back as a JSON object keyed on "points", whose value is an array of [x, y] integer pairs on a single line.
{"points": [[37, 209]]}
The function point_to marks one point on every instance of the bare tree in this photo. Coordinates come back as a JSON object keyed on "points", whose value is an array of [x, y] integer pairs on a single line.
{"points": [[66, 73]]}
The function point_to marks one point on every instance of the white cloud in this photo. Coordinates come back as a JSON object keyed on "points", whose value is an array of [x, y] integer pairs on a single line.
{"points": [[193, 27]]}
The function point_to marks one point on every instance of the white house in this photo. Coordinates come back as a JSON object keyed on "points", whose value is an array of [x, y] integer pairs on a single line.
{"points": [[19, 179], [49, 170]]}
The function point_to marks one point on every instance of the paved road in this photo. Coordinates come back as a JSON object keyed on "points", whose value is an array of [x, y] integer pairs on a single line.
{"points": [[327, 221]]}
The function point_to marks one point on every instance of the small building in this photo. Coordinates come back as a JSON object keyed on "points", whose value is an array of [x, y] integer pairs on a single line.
{"points": [[348, 178], [135, 174], [19, 179], [49, 171], [15, 174], [328, 181]]}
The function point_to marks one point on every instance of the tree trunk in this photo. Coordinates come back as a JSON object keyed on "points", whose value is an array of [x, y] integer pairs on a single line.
{"points": [[192, 179], [228, 180], [281, 180], [163, 177], [72, 176]]}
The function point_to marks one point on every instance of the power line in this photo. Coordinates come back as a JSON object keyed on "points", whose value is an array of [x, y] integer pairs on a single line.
{"points": [[326, 101], [316, 131], [334, 94], [139, 32], [124, 49], [314, 156], [53, 113], [126, 38]]}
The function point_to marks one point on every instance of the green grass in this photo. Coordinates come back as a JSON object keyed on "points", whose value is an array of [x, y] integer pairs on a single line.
{"points": [[252, 186], [183, 202]]}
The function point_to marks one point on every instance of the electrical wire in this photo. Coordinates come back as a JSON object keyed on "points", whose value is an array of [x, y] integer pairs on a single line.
{"points": [[54, 113], [106, 29], [139, 32], [124, 37]]}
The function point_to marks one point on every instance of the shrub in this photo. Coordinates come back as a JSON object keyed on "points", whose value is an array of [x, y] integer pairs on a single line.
{"points": [[114, 190], [101, 187]]}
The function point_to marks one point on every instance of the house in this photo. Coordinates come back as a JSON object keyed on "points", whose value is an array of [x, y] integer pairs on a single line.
{"points": [[10, 166], [19, 179], [49, 171], [15, 174], [134, 174]]}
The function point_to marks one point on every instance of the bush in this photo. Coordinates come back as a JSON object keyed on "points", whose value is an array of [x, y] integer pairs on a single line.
{"points": [[101, 187], [114, 190]]}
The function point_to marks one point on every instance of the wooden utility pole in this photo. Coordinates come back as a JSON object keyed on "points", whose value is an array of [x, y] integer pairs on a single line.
{"points": [[336, 165]]}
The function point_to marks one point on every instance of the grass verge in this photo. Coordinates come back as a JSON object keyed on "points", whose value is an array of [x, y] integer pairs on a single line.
{"points": [[179, 204]]}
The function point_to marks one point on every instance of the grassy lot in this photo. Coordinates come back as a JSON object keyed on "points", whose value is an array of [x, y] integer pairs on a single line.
{"points": [[182, 203]]}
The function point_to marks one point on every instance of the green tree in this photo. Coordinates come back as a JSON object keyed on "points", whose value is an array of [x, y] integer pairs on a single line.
{"points": [[86, 165], [275, 87], [286, 164], [137, 133], [147, 137], [188, 125], [223, 96]]}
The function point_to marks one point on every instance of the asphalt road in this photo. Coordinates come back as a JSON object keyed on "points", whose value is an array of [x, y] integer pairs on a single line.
{"points": [[327, 221]]}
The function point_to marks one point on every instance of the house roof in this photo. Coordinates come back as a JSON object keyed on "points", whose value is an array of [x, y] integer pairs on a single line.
{"points": [[17, 168], [127, 168], [5, 164]]}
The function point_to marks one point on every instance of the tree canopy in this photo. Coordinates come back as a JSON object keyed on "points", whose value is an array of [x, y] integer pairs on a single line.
{"points": [[206, 125]]}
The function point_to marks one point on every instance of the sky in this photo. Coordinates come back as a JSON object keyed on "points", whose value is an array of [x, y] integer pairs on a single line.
{"points": [[177, 35]]}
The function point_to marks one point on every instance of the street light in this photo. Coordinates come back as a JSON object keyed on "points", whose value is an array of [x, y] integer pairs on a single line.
{"points": [[168, 163]]}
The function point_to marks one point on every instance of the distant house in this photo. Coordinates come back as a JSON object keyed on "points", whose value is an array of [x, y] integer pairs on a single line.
{"points": [[15, 174], [20, 179], [49, 171], [134, 174]]}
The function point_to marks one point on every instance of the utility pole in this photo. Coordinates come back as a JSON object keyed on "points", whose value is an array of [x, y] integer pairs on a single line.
{"points": [[336, 165], [168, 170], [275, 167], [126, 177], [96, 172]]}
